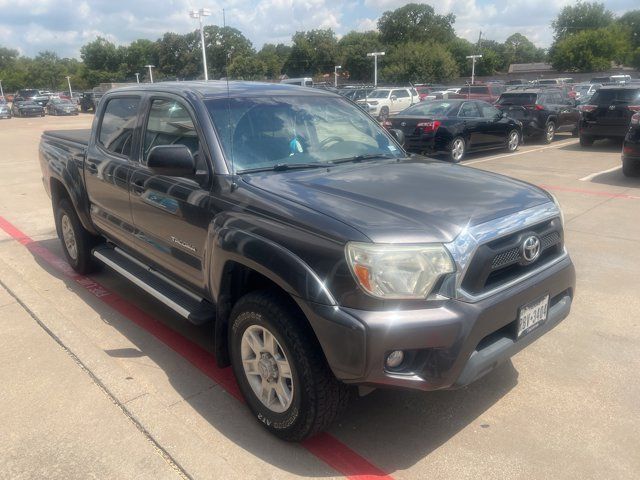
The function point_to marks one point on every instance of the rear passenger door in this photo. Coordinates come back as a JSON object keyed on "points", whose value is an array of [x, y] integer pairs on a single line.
{"points": [[171, 214], [107, 167]]}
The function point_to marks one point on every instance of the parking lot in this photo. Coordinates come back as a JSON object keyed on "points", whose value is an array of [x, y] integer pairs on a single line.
{"points": [[99, 380]]}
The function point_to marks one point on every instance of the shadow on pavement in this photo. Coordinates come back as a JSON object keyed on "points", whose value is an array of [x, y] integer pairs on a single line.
{"points": [[607, 145], [616, 178], [402, 427]]}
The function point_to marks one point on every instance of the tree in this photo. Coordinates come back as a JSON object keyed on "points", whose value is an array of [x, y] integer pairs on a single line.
{"points": [[274, 57], [223, 44], [419, 63], [247, 68], [579, 17], [101, 54], [630, 21], [312, 53], [8, 57], [590, 50], [353, 48], [414, 23], [519, 49], [178, 55]]}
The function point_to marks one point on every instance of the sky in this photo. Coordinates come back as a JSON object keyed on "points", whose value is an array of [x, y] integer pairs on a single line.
{"points": [[31, 26]]}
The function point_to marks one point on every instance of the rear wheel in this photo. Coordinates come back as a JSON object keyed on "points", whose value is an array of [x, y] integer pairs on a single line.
{"points": [[549, 132], [630, 168], [281, 369], [384, 113], [458, 149], [586, 140], [77, 242], [513, 141]]}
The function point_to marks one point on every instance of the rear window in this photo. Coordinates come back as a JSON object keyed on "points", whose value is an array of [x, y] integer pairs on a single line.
{"points": [[517, 99], [615, 95], [475, 89], [28, 93], [430, 108], [118, 124]]}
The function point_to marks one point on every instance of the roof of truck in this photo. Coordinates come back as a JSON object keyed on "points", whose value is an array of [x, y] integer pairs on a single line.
{"points": [[220, 88]]}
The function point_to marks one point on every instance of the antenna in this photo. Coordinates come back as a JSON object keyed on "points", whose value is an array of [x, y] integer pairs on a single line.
{"points": [[234, 185]]}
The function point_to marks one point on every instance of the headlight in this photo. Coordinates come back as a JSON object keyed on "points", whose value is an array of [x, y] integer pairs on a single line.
{"points": [[398, 271], [555, 200]]}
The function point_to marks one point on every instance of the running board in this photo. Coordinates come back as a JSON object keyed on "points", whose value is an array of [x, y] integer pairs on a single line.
{"points": [[187, 304]]}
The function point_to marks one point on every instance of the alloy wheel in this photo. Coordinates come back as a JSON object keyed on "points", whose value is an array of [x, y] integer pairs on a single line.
{"points": [[69, 237]]}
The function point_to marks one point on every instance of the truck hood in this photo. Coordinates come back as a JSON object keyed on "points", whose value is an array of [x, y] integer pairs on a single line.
{"points": [[414, 200]]}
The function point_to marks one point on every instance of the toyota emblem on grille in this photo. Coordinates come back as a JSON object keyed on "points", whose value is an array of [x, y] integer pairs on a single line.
{"points": [[403, 124], [531, 249]]}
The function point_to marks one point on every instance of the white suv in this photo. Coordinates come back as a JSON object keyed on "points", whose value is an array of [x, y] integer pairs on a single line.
{"points": [[383, 102]]}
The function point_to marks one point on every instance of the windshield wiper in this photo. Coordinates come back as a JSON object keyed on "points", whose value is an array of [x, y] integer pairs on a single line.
{"points": [[281, 167], [360, 158]]}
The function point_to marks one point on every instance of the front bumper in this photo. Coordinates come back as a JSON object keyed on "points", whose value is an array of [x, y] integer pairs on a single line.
{"points": [[447, 346]]}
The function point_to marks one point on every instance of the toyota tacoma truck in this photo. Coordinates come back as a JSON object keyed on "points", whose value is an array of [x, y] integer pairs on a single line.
{"points": [[325, 258]]}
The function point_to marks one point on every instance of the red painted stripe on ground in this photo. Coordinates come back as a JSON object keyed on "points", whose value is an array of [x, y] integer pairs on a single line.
{"points": [[324, 446], [597, 193]]}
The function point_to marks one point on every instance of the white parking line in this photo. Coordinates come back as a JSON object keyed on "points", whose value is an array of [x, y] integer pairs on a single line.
{"points": [[588, 178], [522, 152]]}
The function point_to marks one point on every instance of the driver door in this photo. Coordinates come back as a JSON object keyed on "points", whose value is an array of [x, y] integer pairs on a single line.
{"points": [[171, 214]]}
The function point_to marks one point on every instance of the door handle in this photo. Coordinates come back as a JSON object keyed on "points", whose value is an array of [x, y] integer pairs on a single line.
{"points": [[92, 167], [138, 182]]}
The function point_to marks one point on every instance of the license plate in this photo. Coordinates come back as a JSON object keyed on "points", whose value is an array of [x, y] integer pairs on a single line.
{"points": [[532, 315]]}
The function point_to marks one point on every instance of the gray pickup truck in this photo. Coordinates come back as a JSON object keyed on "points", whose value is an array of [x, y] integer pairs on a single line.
{"points": [[325, 258]]}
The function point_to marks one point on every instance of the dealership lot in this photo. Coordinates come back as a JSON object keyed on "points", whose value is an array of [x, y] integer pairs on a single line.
{"points": [[100, 380]]}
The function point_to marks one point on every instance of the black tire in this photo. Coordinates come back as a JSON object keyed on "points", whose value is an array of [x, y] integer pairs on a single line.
{"points": [[82, 262], [317, 398], [384, 113], [549, 132], [630, 168], [586, 140], [510, 146], [456, 155]]}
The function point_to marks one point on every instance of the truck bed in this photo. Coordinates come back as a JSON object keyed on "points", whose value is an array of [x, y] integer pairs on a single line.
{"points": [[75, 136]]}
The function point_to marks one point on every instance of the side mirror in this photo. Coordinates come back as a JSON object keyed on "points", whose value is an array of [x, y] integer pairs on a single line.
{"points": [[171, 160], [398, 135]]}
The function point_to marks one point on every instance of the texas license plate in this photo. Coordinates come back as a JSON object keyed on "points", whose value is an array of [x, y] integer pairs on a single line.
{"points": [[532, 315]]}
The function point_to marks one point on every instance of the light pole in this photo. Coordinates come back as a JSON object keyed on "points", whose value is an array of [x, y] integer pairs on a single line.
{"points": [[1, 91], [150, 71], [473, 66], [375, 56], [137, 78], [203, 12], [335, 74], [69, 83]]}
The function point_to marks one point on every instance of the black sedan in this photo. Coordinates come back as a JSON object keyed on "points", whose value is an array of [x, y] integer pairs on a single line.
{"points": [[455, 127], [27, 108], [631, 149], [60, 106]]}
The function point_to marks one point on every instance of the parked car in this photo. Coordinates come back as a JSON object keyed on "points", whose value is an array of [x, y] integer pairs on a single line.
{"points": [[26, 108], [89, 101], [60, 106], [542, 111], [631, 148], [5, 110], [584, 91], [31, 94], [608, 113], [455, 127], [319, 255], [517, 81], [355, 94], [383, 102], [488, 92]]}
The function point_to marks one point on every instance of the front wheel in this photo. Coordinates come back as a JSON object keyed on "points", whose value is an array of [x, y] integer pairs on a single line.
{"points": [[549, 132], [630, 168], [384, 113], [585, 140], [281, 369], [513, 141], [458, 149], [76, 241]]}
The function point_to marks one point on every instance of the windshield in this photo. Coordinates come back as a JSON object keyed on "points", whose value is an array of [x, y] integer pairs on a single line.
{"points": [[267, 132], [429, 108], [379, 94], [610, 96], [517, 99]]}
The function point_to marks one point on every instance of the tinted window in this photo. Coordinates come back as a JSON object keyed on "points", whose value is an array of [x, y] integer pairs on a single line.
{"points": [[616, 95], [468, 109], [379, 94], [476, 90], [169, 123], [118, 124], [430, 108], [517, 99], [400, 93], [488, 111]]}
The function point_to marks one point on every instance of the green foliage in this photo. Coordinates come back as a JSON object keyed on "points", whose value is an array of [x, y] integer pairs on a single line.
{"points": [[313, 52], [273, 57], [519, 49], [590, 50], [353, 48], [247, 68], [574, 19], [419, 62], [415, 22]]}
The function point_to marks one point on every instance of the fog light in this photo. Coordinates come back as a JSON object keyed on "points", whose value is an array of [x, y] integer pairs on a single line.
{"points": [[395, 358]]}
